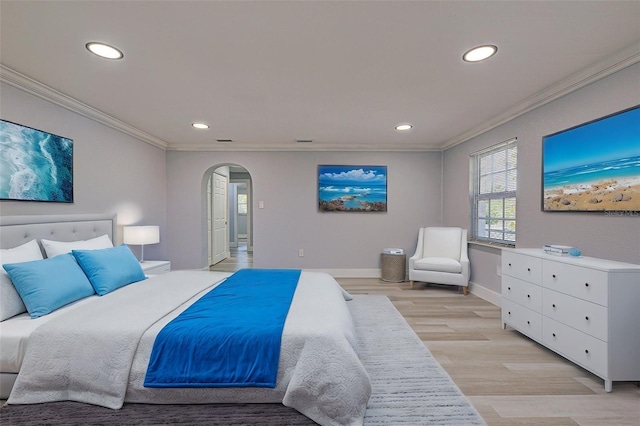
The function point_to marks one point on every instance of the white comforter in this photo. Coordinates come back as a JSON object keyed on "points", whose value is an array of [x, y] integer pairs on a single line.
{"points": [[98, 353]]}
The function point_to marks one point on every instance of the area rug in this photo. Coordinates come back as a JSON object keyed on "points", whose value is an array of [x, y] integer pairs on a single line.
{"points": [[409, 388]]}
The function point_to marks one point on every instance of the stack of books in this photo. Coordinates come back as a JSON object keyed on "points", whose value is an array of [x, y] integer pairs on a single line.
{"points": [[556, 249]]}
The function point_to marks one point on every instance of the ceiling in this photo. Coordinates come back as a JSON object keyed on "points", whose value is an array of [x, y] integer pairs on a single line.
{"points": [[340, 73]]}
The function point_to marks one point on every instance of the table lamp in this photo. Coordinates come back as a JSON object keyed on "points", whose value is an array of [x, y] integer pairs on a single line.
{"points": [[141, 235]]}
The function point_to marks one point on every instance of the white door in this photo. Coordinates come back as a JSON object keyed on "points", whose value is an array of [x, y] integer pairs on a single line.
{"points": [[210, 219], [220, 231]]}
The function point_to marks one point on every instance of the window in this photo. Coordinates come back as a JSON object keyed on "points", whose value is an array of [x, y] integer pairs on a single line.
{"points": [[493, 193], [242, 204]]}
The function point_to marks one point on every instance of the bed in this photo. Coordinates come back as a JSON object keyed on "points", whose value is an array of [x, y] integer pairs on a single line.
{"points": [[96, 349]]}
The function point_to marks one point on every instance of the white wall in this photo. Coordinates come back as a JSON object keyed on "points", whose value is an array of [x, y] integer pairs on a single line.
{"points": [[287, 184], [596, 234], [113, 172]]}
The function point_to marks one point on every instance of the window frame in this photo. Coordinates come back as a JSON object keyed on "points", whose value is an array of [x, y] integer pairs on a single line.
{"points": [[245, 204], [505, 196]]}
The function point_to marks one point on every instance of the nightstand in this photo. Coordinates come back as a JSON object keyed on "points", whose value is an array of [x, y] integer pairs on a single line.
{"points": [[155, 267]]}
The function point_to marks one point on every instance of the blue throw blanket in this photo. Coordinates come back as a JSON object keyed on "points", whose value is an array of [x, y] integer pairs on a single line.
{"points": [[230, 337]]}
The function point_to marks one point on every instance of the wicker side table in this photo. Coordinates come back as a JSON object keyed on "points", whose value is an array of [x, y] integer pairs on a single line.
{"points": [[393, 267]]}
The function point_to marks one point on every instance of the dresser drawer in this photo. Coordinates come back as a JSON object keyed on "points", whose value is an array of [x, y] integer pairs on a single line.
{"points": [[523, 267], [584, 283], [522, 319], [587, 317], [522, 292], [579, 347]]}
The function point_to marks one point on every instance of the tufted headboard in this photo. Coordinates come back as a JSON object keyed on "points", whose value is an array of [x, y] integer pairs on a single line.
{"points": [[17, 230]]}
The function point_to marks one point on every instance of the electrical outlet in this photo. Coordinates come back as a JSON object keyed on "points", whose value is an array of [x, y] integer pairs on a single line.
{"points": [[300, 253]]}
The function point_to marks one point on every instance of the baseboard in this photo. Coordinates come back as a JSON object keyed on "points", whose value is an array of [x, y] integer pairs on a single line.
{"points": [[349, 273], [486, 294]]}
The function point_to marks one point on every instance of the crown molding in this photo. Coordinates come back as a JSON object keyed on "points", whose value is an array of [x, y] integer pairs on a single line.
{"points": [[29, 85], [622, 59], [284, 147]]}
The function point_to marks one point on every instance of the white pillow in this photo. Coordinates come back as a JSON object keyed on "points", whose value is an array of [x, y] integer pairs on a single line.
{"points": [[55, 248], [10, 301]]}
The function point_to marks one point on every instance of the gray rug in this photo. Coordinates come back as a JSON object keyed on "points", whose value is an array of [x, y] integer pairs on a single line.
{"points": [[409, 388]]}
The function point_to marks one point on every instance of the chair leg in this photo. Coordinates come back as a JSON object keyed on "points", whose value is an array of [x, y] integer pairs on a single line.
{"points": [[464, 290]]}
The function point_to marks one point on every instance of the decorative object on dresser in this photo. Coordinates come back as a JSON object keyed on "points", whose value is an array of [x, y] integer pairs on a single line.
{"points": [[156, 267], [583, 308], [141, 235], [441, 257]]}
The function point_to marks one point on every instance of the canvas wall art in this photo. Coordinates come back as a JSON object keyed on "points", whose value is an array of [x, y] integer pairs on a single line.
{"points": [[352, 188], [594, 166], [35, 165]]}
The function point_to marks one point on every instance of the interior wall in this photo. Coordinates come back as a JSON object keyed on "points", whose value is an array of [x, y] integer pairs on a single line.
{"points": [[597, 234], [286, 183], [113, 172]]}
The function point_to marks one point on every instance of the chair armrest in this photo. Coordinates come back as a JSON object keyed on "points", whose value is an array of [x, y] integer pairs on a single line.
{"points": [[419, 245]]}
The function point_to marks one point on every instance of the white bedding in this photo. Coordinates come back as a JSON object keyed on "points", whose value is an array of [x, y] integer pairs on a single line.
{"points": [[89, 354], [15, 332]]}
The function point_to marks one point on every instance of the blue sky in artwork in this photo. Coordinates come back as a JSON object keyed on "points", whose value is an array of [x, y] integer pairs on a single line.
{"points": [[614, 137], [352, 175]]}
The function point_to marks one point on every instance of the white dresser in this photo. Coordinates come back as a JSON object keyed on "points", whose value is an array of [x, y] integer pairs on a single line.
{"points": [[585, 309]]}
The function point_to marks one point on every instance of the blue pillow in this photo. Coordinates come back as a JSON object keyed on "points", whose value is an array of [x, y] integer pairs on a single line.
{"points": [[109, 269], [46, 285]]}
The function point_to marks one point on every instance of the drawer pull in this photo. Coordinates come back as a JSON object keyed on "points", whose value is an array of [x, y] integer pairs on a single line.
{"points": [[586, 284], [587, 318], [554, 305], [509, 288], [509, 265], [554, 275], [586, 351], [509, 312], [529, 269], [528, 322], [529, 296], [553, 334]]}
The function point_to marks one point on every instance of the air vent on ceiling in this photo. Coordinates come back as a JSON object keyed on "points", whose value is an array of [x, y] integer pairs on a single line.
{"points": [[304, 140], [224, 140]]}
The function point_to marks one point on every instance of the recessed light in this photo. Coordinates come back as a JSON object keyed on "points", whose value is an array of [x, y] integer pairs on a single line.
{"points": [[404, 127], [104, 50], [480, 53], [200, 125]]}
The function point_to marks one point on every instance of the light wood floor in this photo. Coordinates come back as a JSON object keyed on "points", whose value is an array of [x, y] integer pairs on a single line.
{"points": [[510, 379]]}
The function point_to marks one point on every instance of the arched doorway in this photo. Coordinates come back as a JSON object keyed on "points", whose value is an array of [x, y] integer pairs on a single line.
{"points": [[229, 213]]}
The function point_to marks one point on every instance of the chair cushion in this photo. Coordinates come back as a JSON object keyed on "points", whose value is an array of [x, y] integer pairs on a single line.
{"points": [[438, 264], [442, 242]]}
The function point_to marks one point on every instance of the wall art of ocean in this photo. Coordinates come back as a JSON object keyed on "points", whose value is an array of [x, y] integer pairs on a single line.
{"points": [[597, 172], [35, 165]]}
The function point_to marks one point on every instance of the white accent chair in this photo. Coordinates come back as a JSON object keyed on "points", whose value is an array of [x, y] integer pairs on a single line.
{"points": [[441, 257]]}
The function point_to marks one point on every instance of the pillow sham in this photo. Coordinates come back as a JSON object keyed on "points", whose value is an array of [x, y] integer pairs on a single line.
{"points": [[48, 284], [109, 269], [10, 302], [56, 248]]}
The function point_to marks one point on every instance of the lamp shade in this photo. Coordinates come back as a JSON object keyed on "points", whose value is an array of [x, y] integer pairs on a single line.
{"points": [[141, 235]]}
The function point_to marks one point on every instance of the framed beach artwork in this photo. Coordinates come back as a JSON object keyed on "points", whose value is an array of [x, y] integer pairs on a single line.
{"points": [[352, 188], [594, 166], [35, 165]]}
